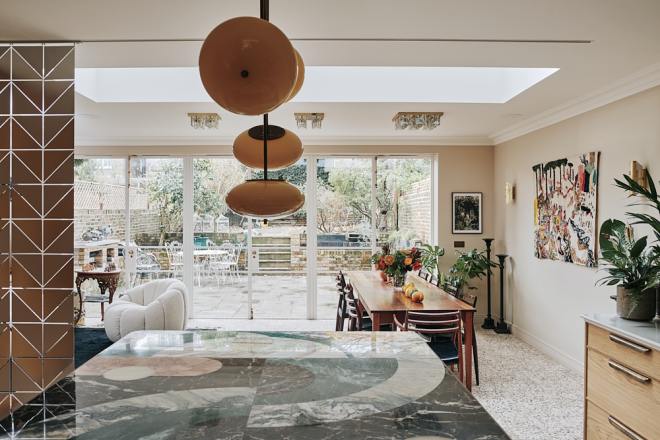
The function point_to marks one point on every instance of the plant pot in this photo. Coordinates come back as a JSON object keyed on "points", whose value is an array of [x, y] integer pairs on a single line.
{"points": [[640, 307]]}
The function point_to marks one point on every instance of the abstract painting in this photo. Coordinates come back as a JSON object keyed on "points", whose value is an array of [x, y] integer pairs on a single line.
{"points": [[466, 213], [565, 209]]}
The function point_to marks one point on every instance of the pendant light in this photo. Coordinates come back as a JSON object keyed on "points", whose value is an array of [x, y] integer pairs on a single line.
{"points": [[248, 66], [284, 147], [265, 198]]}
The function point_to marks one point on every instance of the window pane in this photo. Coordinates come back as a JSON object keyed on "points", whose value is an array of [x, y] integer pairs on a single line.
{"points": [[343, 224], [280, 281], [404, 201], [100, 222], [220, 237], [156, 203]]}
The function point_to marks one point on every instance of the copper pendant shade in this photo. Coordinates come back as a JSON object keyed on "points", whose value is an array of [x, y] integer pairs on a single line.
{"points": [[300, 78], [284, 147], [248, 66], [265, 199]]}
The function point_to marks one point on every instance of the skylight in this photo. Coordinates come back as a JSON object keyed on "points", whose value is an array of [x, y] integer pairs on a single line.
{"points": [[482, 85]]}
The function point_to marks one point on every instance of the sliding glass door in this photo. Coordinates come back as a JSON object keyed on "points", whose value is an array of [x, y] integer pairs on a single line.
{"points": [[343, 224], [279, 281], [166, 217], [220, 237], [156, 219]]}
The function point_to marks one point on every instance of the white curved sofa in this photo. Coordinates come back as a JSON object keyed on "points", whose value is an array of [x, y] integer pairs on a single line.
{"points": [[156, 305]]}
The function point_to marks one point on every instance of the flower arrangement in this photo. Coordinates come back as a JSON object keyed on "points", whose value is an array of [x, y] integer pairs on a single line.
{"points": [[397, 264]]}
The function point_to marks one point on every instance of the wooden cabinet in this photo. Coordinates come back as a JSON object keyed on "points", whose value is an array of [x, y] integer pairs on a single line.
{"points": [[622, 386]]}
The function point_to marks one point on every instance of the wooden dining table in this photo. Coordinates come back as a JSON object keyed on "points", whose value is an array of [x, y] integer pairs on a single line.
{"points": [[382, 302]]}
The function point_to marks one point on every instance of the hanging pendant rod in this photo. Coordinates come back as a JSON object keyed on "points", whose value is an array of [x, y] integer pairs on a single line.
{"points": [[265, 146], [264, 13]]}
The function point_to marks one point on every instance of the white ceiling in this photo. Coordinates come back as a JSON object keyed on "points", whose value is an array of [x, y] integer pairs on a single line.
{"points": [[624, 40]]}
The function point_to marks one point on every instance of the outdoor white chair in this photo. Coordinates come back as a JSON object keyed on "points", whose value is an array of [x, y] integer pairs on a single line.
{"points": [[220, 265], [175, 258], [156, 305]]}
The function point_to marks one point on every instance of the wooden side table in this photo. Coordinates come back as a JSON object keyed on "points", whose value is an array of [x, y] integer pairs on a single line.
{"points": [[107, 281]]}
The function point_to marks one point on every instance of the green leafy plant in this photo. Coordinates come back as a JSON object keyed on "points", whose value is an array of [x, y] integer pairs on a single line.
{"points": [[649, 197], [629, 262], [468, 265], [430, 257]]}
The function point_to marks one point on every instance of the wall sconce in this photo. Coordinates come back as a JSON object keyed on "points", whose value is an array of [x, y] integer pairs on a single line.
{"points": [[509, 193], [638, 173]]}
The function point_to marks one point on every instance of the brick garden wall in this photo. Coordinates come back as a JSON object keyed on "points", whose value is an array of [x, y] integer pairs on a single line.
{"points": [[414, 209], [142, 221]]}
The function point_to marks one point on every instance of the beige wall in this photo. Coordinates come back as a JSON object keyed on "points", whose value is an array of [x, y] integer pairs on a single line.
{"points": [[548, 297], [466, 169]]}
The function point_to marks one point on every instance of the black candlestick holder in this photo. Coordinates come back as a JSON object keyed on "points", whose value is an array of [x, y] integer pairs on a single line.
{"points": [[489, 322], [502, 326]]}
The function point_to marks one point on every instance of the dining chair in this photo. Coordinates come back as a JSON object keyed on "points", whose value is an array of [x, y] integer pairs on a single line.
{"points": [[471, 299], [423, 274], [429, 325], [342, 313], [359, 321]]}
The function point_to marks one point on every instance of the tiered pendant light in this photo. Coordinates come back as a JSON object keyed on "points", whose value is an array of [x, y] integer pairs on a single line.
{"points": [[249, 67], [284, 147]]}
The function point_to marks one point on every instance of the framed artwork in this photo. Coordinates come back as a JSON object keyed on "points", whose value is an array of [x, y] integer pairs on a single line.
{"points": [[466, 213], [565, 209]]}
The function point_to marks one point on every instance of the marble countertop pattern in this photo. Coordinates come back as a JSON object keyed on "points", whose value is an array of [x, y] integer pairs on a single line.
{"points": [[644, 332], [258, 385]]}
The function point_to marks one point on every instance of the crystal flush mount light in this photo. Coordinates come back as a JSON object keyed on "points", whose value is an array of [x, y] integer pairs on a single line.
{"points": [[302, 118], [204, 120], [417, 120]]}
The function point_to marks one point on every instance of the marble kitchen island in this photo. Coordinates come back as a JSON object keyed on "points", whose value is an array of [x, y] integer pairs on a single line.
{"points": [[258, 385]]}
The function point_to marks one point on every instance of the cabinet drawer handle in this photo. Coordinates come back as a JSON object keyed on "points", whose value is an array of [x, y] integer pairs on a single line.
{"points": [[632, 373], [624, 429], [629, 344]]}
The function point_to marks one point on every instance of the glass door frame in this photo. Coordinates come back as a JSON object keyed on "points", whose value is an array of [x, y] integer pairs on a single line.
{"points": [[310, 206]]}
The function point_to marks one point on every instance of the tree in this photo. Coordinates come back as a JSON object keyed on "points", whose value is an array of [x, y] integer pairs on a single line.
{"points": [[211, 182], [355, 189]]}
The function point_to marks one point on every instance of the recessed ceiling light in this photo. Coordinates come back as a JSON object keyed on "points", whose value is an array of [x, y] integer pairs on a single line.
{"points": [[323, 84]]}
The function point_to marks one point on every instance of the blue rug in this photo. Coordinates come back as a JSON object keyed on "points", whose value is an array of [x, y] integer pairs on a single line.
{"points": [[89, 343]]}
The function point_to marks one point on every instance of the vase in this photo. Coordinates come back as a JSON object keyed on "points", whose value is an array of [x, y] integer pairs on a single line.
{"points": [[398, 280], [636, 307]]}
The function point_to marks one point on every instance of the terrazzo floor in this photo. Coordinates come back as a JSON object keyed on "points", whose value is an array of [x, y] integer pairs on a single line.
{"points": [[530, 395]]}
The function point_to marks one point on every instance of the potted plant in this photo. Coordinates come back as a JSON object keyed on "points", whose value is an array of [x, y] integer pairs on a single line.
{"points": [[431, 258], [633, 265], [468, 265]]}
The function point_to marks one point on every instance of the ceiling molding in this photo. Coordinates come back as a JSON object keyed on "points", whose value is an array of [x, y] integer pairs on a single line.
{"points": [[226, 141], [638, 82]]}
